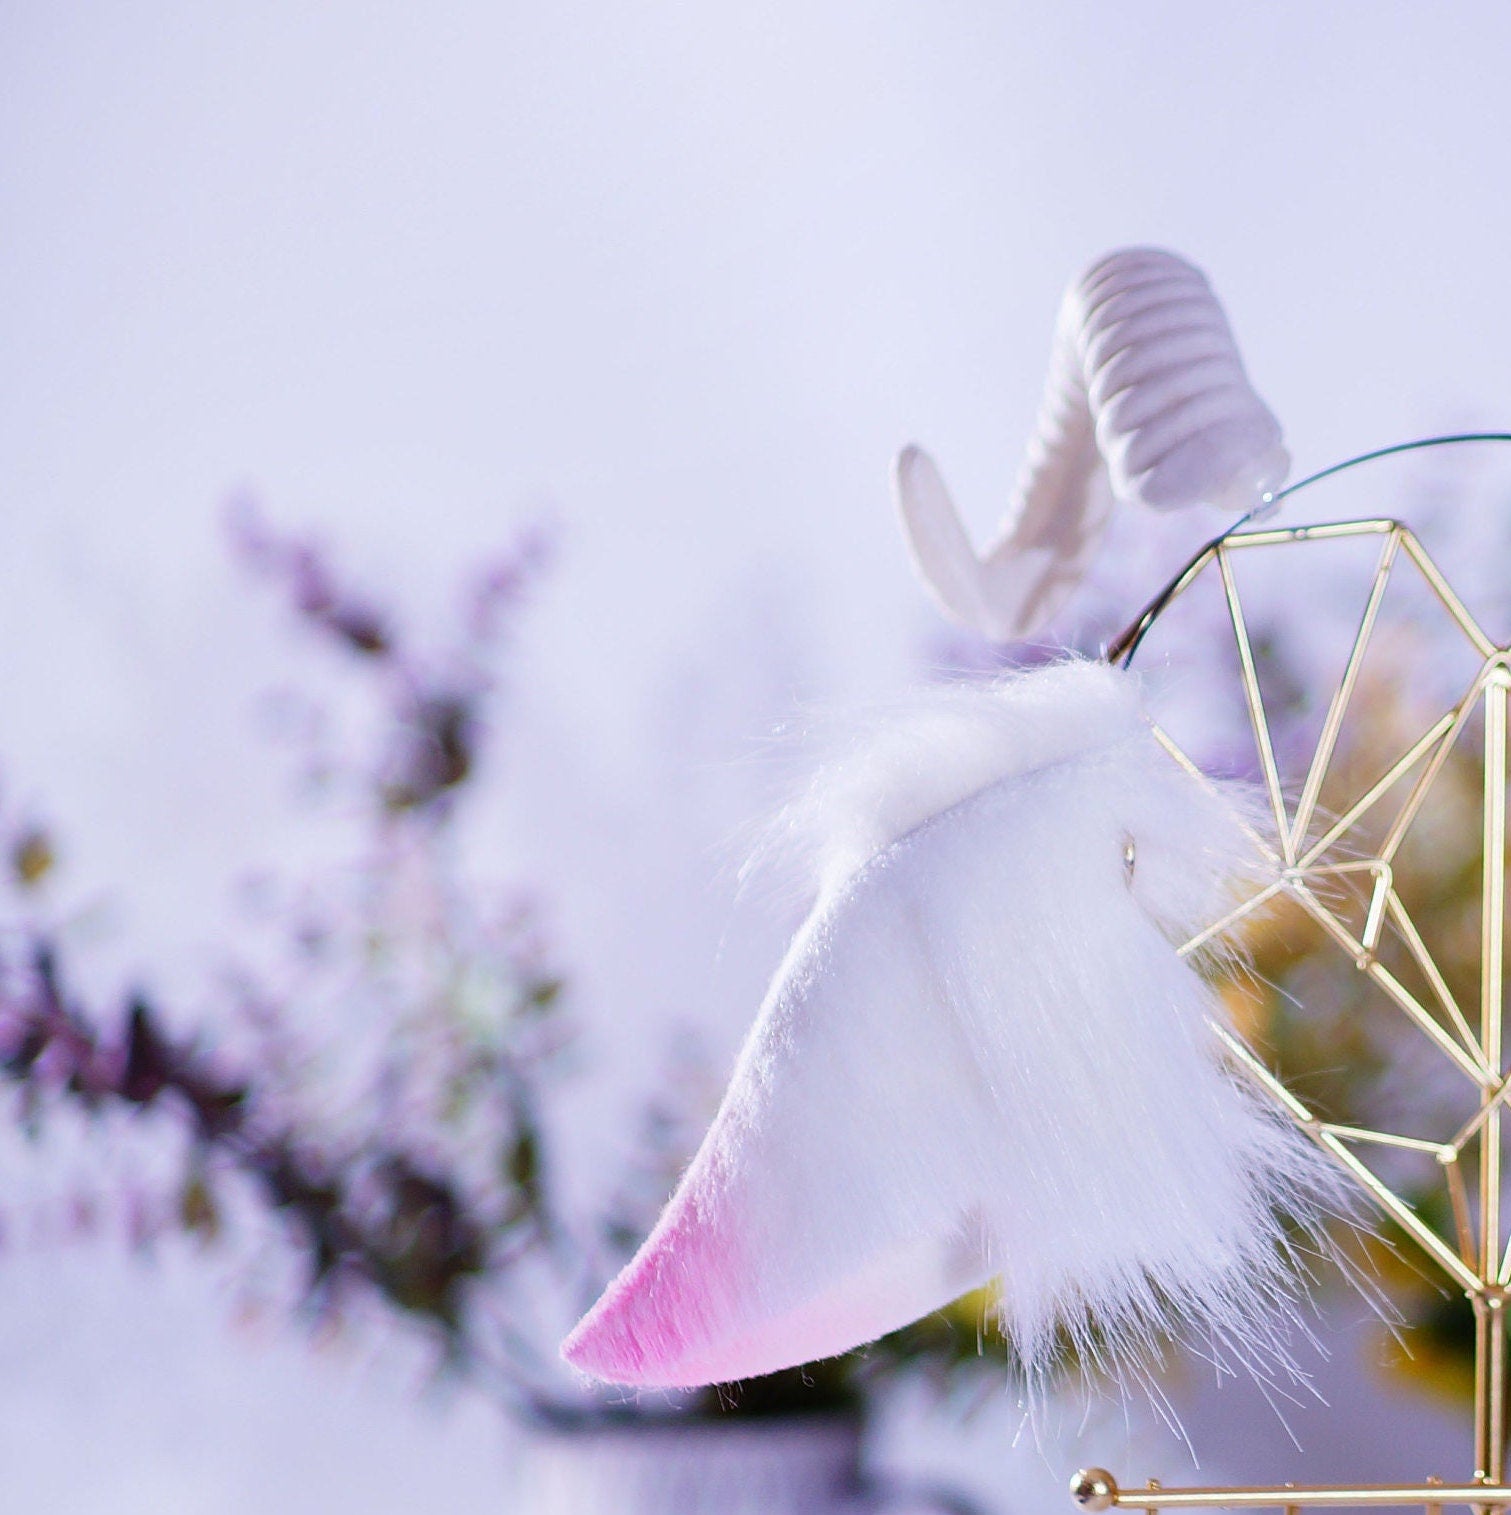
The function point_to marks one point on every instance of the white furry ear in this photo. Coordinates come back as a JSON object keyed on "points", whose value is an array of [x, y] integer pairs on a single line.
{"points": [[1146, 401], [982, 1057]]}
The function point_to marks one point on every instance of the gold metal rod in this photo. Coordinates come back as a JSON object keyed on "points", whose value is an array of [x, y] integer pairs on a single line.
{"points": [[1444, 591], [1492, 943], [1471, 1126], [1256, 707], [1374, 921], [1267, 1080], [1440, 730], [1261, 842], [1389, 1202], [1497, 1389], [1458, 1197], [1481, 1386], [1481, 1265], [1490, 1395], [1402, 1214], [1494, 1496], [1374, 527], [1123, 646], [1407, 928], [1232, 918], [1420, 1016], [1358, 865], [1333, 725], [1443, 1153], [1428, 776]]}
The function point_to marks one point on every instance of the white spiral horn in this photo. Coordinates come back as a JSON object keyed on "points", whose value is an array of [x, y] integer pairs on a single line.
{"points": [[1147, 401]]}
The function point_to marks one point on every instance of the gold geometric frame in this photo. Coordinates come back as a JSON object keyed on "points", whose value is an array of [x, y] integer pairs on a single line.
{"points": [[1313, 851]]}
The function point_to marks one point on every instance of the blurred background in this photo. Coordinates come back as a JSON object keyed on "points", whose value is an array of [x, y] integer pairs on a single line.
{"points": [[439, 446]]}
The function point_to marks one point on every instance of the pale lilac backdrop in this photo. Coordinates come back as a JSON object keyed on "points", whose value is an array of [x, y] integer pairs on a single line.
{"points": [[685, 276]]}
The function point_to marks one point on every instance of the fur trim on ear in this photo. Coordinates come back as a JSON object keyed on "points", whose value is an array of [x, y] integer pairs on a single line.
{"points": [[983, 1058], [882, 773]]}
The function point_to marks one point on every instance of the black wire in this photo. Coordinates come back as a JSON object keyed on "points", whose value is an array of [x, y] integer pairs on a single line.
{"points": [[1122, 648], [1385, 452]]}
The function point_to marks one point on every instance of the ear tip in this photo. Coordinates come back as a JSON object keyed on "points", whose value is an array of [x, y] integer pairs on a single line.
{"points": [[605, 1343], [662, 1315], [597, 1350], [577, 1348], [616, 1343], [908, 464]]}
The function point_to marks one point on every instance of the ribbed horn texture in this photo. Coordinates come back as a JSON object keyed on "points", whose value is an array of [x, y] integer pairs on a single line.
{"points": [[1147, 402]]}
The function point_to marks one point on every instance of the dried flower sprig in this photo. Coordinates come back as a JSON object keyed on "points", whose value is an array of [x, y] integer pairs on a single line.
{"points": [[379, 1216]]}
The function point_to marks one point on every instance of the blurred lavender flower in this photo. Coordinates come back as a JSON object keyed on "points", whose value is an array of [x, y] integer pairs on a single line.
{"points": [[376, 1076]]}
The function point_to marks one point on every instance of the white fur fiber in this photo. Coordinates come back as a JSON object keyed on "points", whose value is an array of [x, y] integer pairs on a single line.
{"points": [[983, 1058], [1147, 402]]}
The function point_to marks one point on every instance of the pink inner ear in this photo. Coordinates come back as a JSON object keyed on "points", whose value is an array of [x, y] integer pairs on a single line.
{"points": [[655, 1322], [706, 1302]]}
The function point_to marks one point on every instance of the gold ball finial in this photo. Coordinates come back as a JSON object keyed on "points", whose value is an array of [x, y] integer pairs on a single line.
{"points": [[1094, 1489]]}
